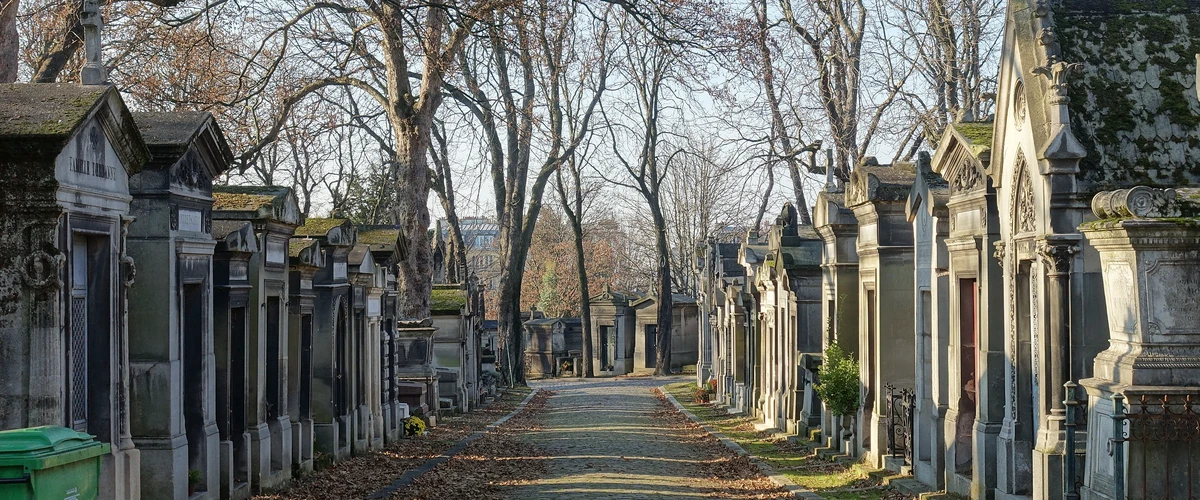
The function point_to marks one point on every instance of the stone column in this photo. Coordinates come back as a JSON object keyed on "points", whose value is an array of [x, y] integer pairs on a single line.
{"points": [[1150, 257], [1057, 254]]}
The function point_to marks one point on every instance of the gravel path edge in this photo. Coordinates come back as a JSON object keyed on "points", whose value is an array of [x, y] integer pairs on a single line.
{"points": [[408, 477], [775, 477]]}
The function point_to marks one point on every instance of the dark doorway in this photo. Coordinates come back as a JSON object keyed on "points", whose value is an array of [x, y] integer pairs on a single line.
{"points": [[89, 350], [968, 321], [869, 401], [306, 354], [237, 391], [651, 346], [1025, 426], [194, 321], [274, 408], [607, 347]]}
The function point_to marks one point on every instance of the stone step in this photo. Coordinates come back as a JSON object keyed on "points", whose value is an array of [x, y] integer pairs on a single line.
{"points": [[940, 495], [908, 485]]}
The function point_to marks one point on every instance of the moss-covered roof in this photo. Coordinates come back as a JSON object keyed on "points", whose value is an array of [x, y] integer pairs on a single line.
{"points": [[246, 198], [447, 299], [45, 110], [318, 227], [174, 128], [978, 135], [378, 235], [297, 245], [1133, 99]]}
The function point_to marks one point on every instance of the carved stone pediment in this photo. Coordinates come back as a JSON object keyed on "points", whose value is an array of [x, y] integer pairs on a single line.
{"points": [[861, 188], [306, 252], [191, 173], [241, 240]]}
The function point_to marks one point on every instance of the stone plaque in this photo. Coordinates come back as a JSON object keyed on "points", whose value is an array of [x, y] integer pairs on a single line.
{"points": [[191, 220], [1173, 297], [339, 270], [276, 252], [306, 284], [373, 306], [1122, 308], [238, 271]]}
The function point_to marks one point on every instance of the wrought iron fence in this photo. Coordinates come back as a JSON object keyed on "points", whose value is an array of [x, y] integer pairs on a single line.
{"points": [[1155, 441], [900, 421]]}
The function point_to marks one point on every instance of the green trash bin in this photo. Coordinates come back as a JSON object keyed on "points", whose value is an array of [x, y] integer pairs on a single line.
{"points": [[49, 463]]}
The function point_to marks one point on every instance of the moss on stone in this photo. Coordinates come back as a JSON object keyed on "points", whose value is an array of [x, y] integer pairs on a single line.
{"points": [[378, 236], [1133, 104], [317, 227], [447, 300], [978, 135]]}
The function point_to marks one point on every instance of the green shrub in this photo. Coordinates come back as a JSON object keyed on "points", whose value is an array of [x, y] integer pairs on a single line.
{"points": [[839, 384]]}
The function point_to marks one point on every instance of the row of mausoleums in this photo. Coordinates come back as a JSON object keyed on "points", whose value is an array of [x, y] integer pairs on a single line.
{"points": [[202, 331], [625, 337], [1058, 244]]}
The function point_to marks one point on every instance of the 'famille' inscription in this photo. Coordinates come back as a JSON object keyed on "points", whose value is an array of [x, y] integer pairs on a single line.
{"points": [[93, 168]]}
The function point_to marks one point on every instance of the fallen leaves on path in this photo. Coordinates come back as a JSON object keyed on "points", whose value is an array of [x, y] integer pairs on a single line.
{"points": [[363, 475], [488, 464], [737, 476]]}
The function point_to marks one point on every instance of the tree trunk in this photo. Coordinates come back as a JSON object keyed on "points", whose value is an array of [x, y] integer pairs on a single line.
{"points": [[508, 325], [662, 355], [585, 299], [9, 41], [414, 273]]}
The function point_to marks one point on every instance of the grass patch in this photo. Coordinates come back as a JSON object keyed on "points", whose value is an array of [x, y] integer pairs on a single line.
{"points": [[796, 461]]}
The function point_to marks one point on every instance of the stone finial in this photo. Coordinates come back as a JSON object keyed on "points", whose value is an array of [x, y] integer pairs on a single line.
{"points": [[93, 67], [1058, 72], [1139, 202]]}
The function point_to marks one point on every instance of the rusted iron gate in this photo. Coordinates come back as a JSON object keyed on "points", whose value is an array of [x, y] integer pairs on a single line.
{"points": [[900, 421], [1155, 446]]}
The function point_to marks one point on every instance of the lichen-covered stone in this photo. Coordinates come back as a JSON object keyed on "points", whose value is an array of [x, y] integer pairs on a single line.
{"points": [[1133, 99]]}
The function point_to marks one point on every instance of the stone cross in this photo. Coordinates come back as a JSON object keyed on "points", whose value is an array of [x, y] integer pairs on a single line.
{"points": [[93, 68], [830, 184]]}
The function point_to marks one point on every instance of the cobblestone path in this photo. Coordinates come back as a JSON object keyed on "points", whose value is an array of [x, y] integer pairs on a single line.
{"points": [[603, 441]]}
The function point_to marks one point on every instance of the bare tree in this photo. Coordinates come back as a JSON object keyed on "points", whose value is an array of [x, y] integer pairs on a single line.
{"points": [[500, 80], [699, 198], [443, 184], [780, 136], [835, 33], [948, 43], [648, 65]]}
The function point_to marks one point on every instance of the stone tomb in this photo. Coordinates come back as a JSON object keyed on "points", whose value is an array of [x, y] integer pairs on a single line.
{"points": [[788, 284], [878, 196], [547, 341], [66, 154], [613, 323], [305, 259], [839, 282], [333, 390], [275, 214], [369, 281], [171, 358], [454, 309], [1150, 254], [383, 242], [928, 214], [236, 245]]}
